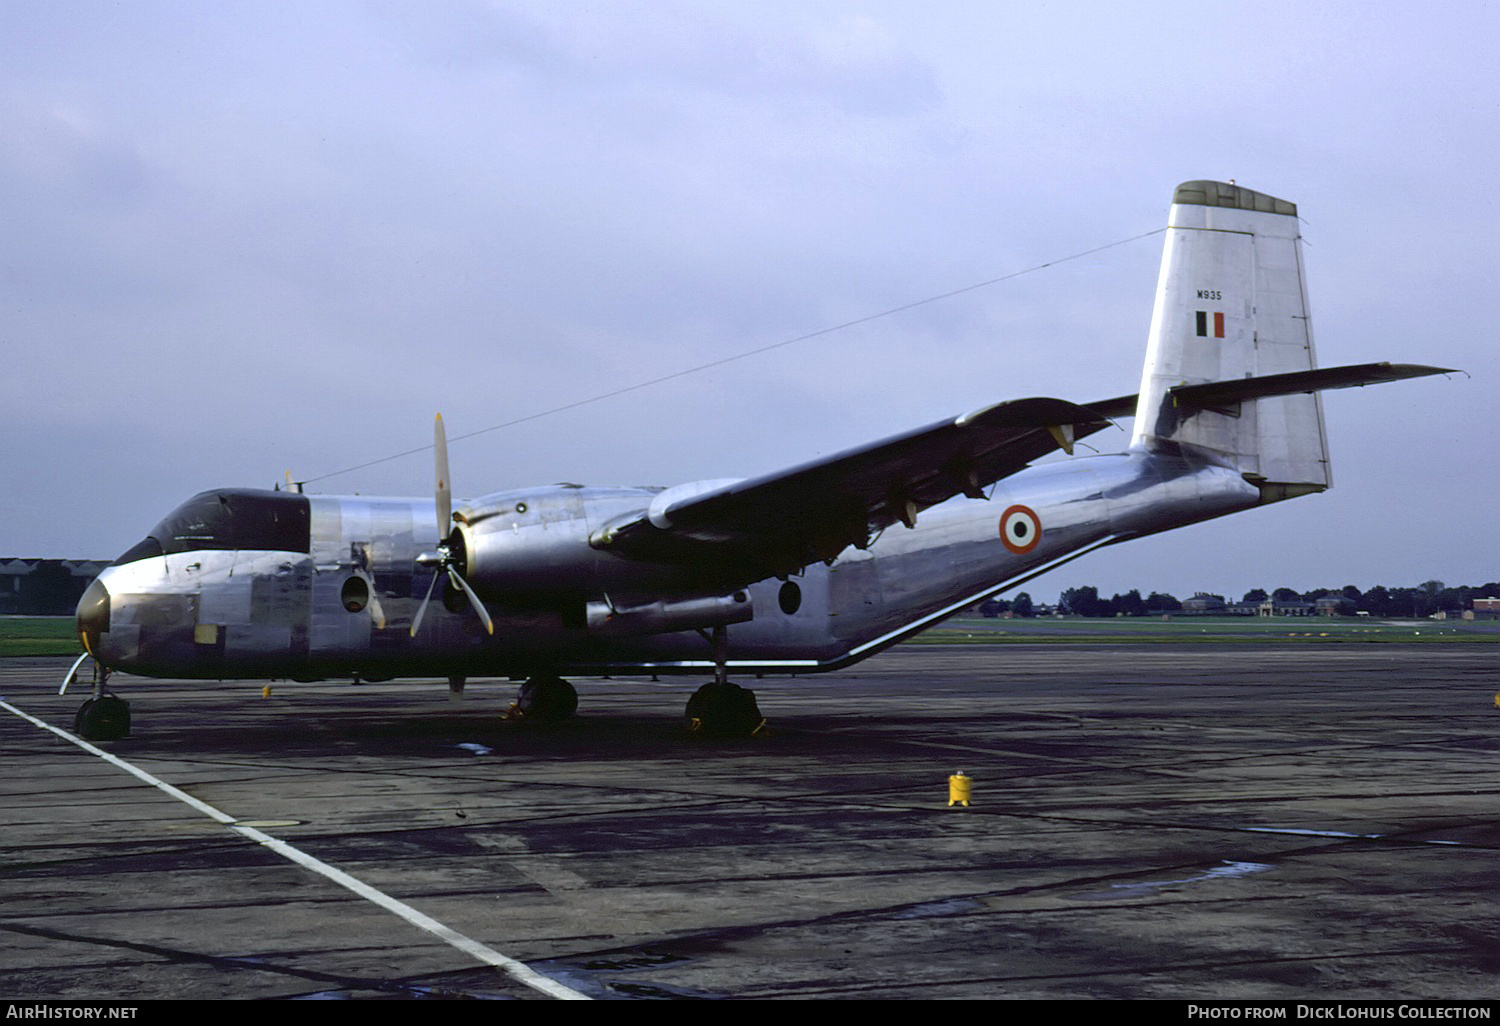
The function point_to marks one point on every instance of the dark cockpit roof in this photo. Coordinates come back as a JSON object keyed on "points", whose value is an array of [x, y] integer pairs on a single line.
{"points": [[230, 518]]}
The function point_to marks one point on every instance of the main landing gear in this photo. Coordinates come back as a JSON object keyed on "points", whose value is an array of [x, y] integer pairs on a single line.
{"points": [[545, 700], [717, 709], [540, 700], [722, 709]]}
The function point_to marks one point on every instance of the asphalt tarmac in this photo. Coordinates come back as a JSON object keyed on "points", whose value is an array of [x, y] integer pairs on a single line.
{"points": [[1175, 821]]}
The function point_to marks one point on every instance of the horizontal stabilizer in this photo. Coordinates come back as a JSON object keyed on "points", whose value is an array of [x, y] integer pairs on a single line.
{"points": [[1227, 393], [1218, 394], [1114, 409]]}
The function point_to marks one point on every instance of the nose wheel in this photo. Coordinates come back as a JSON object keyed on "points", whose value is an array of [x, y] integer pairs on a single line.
{"points": [[106, 718]]}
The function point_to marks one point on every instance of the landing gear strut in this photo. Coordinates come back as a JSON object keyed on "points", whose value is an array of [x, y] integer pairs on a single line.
{"points": [[545, 700], [722, 709]]}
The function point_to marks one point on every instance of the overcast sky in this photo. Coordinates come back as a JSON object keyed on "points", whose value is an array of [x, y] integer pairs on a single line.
{"points": [[246, 238]]}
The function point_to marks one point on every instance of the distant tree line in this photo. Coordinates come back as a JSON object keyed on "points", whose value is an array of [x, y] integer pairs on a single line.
{"points": [[1425, 599]]}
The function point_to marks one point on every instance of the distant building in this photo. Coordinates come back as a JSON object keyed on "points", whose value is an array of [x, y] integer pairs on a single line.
{"points": [[1204, 604], [1334, 605], [1271, 607], [45, 587], [1487, 608]]}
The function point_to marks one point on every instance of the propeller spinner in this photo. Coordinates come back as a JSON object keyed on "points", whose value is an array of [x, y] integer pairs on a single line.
{"points": [[445, 557]]}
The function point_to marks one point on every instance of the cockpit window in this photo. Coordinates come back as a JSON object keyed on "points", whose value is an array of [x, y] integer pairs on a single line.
{"points": [[143, 549], [230, 519]]}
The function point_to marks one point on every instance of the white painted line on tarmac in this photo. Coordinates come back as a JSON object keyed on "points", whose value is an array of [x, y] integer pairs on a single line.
{"points": [[519, 970]]}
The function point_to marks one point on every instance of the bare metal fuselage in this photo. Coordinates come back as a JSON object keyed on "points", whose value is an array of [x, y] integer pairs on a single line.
{"points": [[246, 613], [805, 569]]}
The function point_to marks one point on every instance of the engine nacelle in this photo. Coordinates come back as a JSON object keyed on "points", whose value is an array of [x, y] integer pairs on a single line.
{"points": [[535, 542], [534, 545]]}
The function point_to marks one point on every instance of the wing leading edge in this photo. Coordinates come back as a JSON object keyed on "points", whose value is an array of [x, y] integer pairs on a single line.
{"points": [[779, 523]]}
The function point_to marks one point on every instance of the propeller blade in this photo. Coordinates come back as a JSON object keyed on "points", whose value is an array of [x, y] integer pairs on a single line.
{"points": [[416, 621], [484, 615], [443, 558], [444, 492], [377, 614]]}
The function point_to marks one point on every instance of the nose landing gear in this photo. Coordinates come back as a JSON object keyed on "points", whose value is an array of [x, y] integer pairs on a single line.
{"points": [[104, 717]]}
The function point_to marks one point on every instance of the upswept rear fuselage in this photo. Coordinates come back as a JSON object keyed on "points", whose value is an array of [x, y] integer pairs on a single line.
{"points": [[338, 599]]}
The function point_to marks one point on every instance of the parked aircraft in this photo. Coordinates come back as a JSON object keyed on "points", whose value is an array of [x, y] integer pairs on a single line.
{"points": [[808, 569]]}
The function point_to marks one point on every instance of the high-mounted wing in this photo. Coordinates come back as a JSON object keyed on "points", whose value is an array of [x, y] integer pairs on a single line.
{"points": [[748, 530]]}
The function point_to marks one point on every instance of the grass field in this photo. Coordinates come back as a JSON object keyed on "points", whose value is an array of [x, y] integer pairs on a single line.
{"points": [[38, 636], [57, 636], [1181, 630]]}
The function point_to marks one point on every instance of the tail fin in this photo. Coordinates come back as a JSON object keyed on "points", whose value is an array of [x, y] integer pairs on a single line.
{"points": [[1231, 303]]}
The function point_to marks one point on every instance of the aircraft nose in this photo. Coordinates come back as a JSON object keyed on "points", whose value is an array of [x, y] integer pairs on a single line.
{"points": [[93, 615]]}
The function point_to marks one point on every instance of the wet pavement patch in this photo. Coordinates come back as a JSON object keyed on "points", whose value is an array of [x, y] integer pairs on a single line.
{"points": [[1146, 888]]}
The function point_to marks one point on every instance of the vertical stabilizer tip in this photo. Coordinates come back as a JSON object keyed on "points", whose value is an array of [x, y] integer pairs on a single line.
{"points": [[1227, 194]]}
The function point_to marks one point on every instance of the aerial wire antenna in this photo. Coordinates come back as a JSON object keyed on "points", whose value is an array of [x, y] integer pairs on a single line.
{"points": [[741, 356]]}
